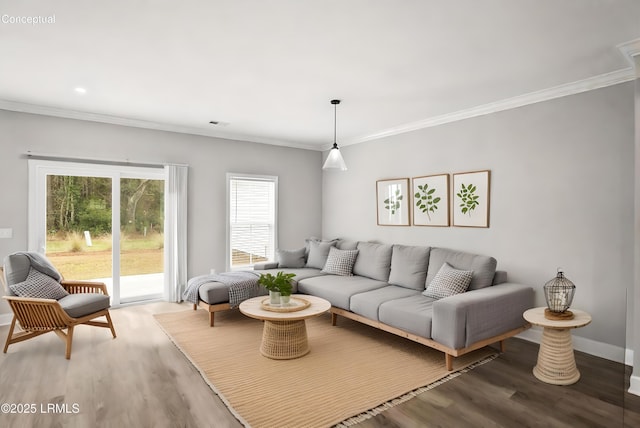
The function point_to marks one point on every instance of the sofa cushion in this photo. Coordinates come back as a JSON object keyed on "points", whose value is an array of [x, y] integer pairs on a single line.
{"points": [[318, 252], [413, 314], [291, 258], [80, 304], [409, 266], [340, 262], [483, 267], [374, 261], [39, 285], [448, 281], [367, 303], [347, 245], [338, 289]]}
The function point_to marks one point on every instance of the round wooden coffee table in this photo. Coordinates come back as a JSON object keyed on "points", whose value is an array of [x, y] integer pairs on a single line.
{"points": [[556, 362], [284, 335]]}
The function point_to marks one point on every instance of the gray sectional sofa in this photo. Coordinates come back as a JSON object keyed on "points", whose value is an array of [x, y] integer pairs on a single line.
{"points": [[416, 292]]}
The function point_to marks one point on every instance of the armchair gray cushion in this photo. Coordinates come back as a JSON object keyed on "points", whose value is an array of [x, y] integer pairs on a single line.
{"points": [[81, 304]]}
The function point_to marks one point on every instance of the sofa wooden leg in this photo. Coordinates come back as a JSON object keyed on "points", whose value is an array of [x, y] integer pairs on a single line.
{"points": [[211, 316], [334, 319], [195, 306], [448, 359], [503, 347]]}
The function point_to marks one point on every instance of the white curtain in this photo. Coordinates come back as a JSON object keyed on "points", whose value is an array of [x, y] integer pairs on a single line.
{"points": [[175, 249]]}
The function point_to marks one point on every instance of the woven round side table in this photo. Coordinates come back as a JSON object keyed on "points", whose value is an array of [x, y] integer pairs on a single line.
{"points": [[556, 362], [284, 335]]}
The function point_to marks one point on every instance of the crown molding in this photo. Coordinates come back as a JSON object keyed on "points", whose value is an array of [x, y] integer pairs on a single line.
{"points": [[145, 124], [585, 85], [629, 50]]}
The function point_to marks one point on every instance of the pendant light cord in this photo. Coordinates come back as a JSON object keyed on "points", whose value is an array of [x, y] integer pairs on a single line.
{"points": [[335, 124]]}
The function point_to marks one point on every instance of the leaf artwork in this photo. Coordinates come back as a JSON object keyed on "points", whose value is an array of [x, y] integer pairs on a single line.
{"points": [[392, 203], [469, 198], [426, 201]]}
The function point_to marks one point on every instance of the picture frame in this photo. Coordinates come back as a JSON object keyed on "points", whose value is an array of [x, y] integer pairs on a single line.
{"points": [[471, 198], [393, 200], [431, 200]]}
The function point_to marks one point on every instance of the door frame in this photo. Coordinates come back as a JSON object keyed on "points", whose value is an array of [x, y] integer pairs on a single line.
{"points": [[39, 169]]}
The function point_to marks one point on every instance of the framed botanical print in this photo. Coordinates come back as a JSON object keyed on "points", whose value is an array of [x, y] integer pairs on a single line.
{"points": [[431, 200], [471, 199], [393, 202]]}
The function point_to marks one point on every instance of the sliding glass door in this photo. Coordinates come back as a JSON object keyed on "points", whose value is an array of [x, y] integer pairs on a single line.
{"points": [[101, 222]]}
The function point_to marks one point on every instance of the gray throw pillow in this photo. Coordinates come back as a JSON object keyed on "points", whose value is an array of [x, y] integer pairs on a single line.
{"points": [[448, 281], [40, 286], [340, 262], [318, 252], [409, 266], [291, 258], [374, 261]]}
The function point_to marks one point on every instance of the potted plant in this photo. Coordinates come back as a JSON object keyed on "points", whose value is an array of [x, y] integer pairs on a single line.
{"points": [[279, 286]]}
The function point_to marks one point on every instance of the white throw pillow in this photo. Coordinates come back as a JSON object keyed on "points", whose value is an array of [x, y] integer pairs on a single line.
{"points": [[340, 262], [448, 281], [39, 285]]}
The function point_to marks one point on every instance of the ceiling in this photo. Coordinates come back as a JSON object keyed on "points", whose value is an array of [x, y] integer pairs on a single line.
{"points": [[268, 69]]}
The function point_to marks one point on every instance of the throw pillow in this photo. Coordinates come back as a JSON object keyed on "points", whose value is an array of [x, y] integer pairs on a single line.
{"points": [[340, 262], [318, 252], [448, 281], [40, 286], [291, 258]]}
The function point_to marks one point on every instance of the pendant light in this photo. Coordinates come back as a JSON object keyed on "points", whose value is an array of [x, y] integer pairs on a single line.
{"points": [[334, 160]]}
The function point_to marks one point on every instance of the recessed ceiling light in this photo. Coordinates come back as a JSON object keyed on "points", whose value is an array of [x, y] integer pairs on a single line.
{"points": [[80, 90]]}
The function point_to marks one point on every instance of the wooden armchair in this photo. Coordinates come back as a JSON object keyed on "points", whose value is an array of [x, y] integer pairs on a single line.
{"points": [[86, 302]]}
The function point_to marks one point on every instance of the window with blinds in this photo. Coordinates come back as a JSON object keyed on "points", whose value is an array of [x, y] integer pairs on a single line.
{"points": [[252, 219]]}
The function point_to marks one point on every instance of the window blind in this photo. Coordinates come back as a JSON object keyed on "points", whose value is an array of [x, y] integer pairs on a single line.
{"points": [[252, 219]]}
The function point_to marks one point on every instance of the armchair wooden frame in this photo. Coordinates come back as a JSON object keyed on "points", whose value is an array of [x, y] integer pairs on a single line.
{"points": [[40, 316]]}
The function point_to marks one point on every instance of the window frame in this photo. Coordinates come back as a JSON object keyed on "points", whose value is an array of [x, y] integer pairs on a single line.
{"points": [[249, 177]]}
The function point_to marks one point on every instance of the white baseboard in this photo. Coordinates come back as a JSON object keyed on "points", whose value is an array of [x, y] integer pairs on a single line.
{"points": [[599, 349], [634, 385]]}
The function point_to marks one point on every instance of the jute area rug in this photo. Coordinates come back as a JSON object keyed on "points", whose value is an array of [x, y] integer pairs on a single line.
{"points": [[352, 372]]}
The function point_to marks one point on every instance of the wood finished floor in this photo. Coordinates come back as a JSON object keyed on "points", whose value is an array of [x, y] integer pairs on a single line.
{"points": [[140, 379]]}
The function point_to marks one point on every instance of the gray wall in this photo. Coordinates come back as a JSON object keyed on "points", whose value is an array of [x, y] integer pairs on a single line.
{"points": [[562, 174], [299, 173]]}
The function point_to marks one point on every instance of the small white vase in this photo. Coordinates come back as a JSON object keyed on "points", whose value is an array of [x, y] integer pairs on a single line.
{"points": [[284, 300], [274, 298]]}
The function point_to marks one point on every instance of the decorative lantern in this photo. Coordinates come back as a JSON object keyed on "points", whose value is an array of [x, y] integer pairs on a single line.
{"points": [[559, 294]]}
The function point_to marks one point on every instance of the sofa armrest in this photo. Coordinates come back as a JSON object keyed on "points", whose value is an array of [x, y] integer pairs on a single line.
{"points": [[463, 319], [265, 265]]}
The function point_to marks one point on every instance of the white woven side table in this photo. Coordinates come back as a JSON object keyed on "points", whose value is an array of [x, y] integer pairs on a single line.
{"points": [[556, 362]]}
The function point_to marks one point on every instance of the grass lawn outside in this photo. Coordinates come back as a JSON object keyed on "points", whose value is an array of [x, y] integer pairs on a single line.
{"points": [[76, 260]]}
